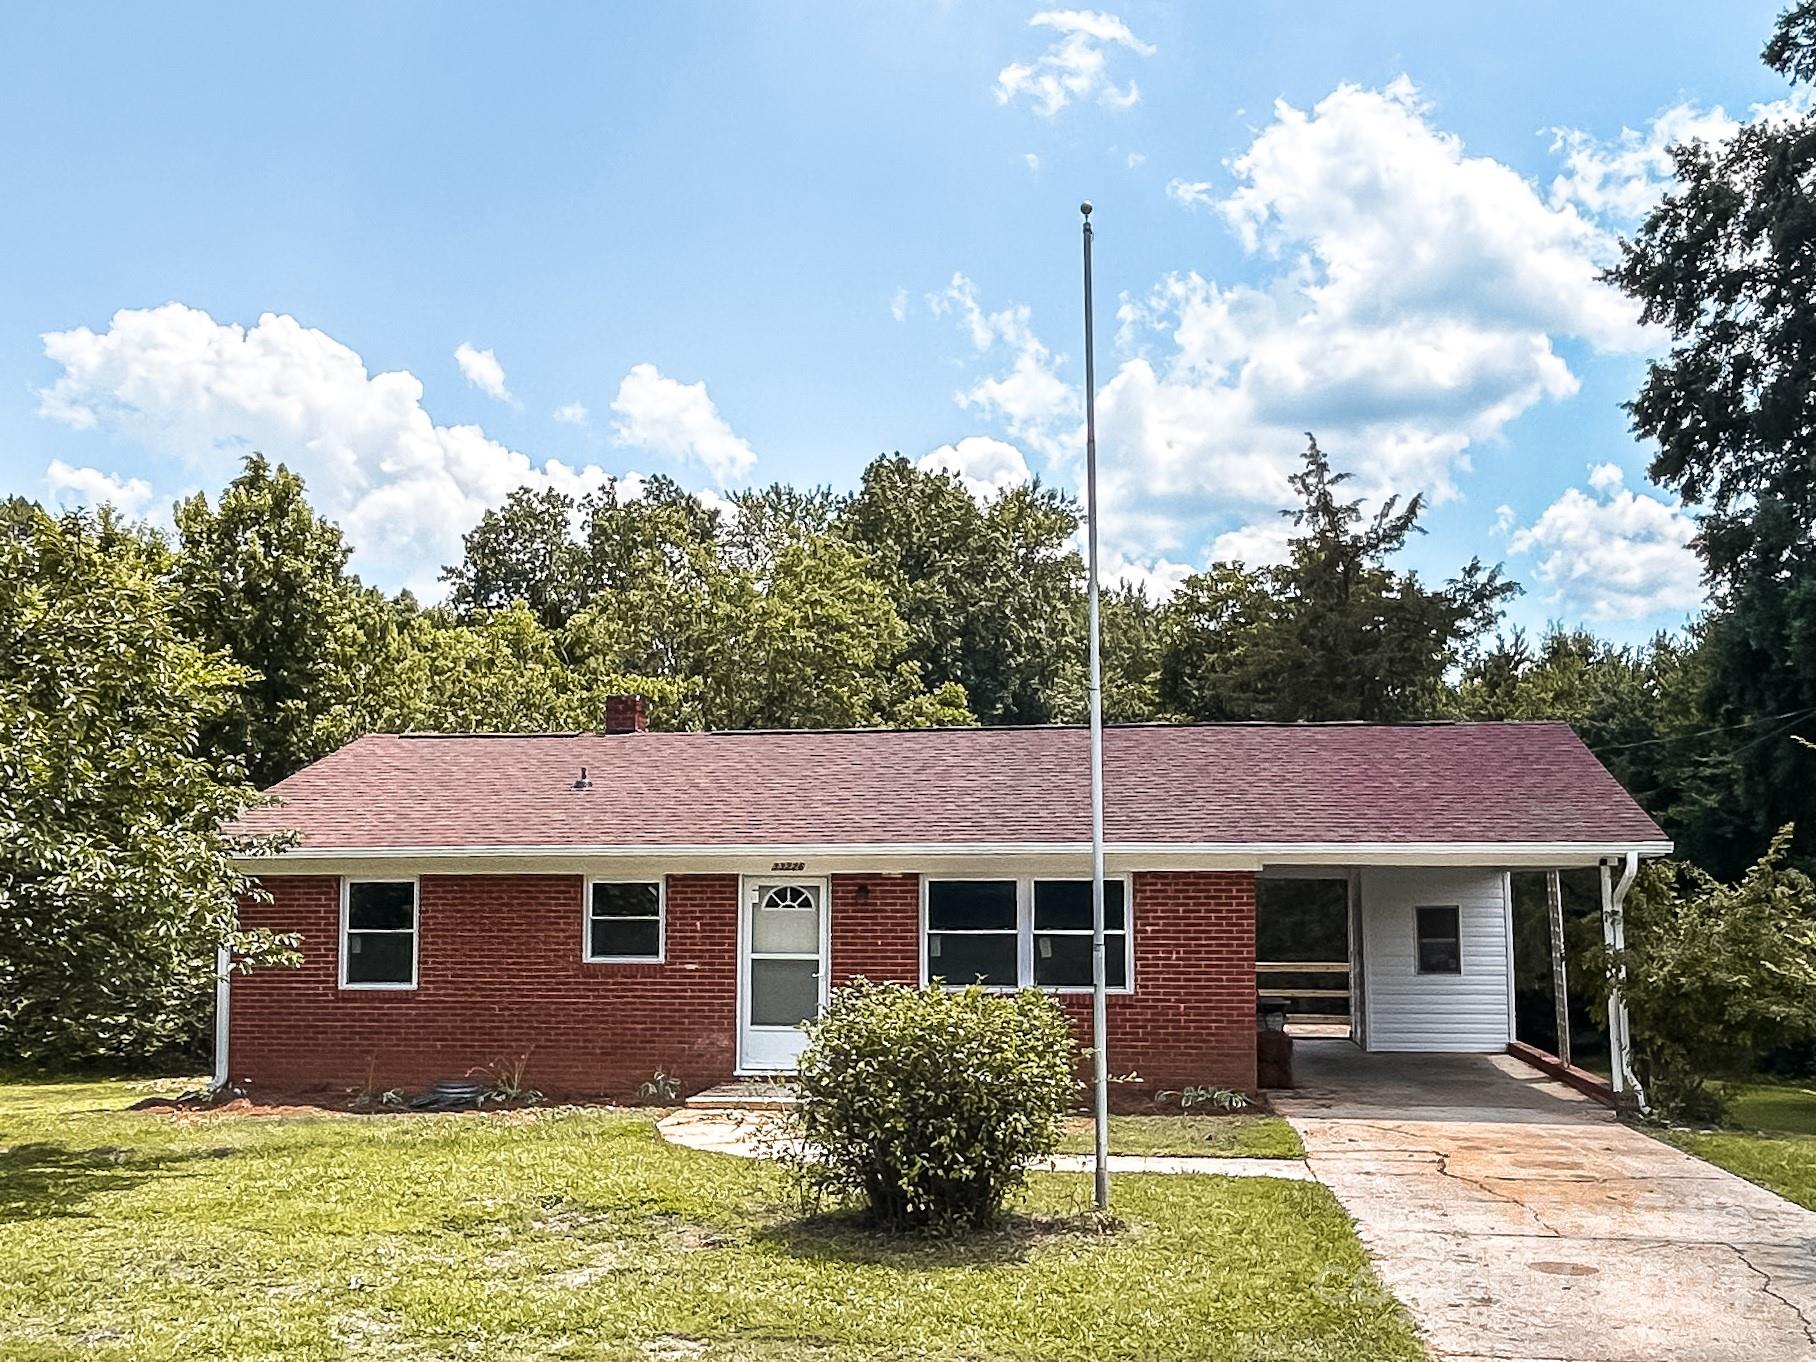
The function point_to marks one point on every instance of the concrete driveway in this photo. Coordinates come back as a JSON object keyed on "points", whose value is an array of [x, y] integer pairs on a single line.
{"points": [[1518, 1220]]}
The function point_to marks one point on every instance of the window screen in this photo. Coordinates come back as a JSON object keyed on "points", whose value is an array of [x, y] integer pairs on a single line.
{"points": [[972, 935], [380, 945], [1440, 941], [624, 920], [1062, 934]]}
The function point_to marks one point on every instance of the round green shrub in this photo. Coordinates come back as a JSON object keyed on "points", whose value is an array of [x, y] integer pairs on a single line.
{"points": [[929, 1104]]}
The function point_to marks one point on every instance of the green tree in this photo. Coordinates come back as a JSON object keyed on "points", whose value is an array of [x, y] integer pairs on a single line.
{"points": [[116, 888], [1717, 975], [1726, 264], [525, 550], [1333, 633], [990, 594], [263, 579], [500, 672]]}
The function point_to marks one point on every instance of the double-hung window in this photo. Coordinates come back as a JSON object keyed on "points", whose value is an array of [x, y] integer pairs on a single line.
{"points": [[1062, 933], [1022, 933], [624, 921], [378, 933], [973, 932]]}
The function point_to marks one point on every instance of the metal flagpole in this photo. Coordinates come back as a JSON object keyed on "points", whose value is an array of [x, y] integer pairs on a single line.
{"points": [[1100, 1064]]}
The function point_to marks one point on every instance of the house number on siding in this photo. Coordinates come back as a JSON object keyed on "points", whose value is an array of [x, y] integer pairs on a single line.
{"points": [[788, 865]]}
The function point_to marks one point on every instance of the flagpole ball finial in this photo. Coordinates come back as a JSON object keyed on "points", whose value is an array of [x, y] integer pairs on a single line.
{"points": [[1085, 208]]}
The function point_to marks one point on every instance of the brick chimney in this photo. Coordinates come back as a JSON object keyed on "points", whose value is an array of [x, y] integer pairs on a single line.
{"points": [[625, 714]]}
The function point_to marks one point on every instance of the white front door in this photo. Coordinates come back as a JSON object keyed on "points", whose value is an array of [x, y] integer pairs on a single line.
{"points": [[782, 935]]}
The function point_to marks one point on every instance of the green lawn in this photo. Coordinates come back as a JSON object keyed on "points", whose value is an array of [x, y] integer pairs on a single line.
{"points": [[581, 1234], [1773, 1143], [1235, 1137]]}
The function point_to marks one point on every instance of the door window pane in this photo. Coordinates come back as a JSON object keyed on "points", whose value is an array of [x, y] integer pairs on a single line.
{"points": [[786, 920], [1440, 941], [783, 992]]}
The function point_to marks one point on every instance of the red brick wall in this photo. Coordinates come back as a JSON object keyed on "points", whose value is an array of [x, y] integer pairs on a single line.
{"points": [[876, 928], [500, 976], [1191, 1018]]}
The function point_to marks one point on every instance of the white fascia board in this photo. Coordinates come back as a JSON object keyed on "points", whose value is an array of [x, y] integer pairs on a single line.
{"points": [[908, 857]]}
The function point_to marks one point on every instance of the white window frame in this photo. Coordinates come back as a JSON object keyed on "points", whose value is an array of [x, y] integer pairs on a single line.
{"points": [[1418, 969], [586, 922], [1024, 931], [346, 905]]}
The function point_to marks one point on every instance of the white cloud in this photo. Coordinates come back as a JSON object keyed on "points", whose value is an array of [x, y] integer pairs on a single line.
{"points": [[482, 369], [1410, 304], [1159, 577], [987, 466], [1263, 543], [71, 487], [1612, 554], [1622, 177], [898, 304], [572, 413], [1136, 159], [679, 421], [206, 393], [1029, 398], [1032, 161], [1075, 65], [1191, 193]]}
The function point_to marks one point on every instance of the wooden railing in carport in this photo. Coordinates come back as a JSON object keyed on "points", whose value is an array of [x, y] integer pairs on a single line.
{"points": [[1264, 968]]}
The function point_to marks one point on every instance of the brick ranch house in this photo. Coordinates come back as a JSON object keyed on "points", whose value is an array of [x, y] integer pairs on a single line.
{"points": [[608, 904]]}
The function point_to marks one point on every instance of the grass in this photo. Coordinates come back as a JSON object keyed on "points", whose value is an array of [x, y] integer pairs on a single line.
{"points": [[1234, 1137], [1773, 1143], [581, 1234]]}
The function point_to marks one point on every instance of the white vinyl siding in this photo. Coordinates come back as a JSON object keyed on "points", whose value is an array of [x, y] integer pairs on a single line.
{"points": [[1412, 1011]]}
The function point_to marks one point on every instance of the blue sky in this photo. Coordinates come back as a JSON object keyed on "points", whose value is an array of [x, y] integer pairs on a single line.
{"points": [[763, 243]]}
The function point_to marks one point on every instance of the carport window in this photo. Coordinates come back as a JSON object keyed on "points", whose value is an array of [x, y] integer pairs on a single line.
{"points": [[1440, 941]]}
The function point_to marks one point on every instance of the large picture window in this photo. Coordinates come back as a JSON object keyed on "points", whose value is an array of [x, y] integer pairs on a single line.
{"points": [[1024, 933], [378, 934], [624, 920]]}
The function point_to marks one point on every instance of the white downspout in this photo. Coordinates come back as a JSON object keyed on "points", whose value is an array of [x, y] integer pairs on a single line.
{"points": [[1614, 934], [223, 997]]}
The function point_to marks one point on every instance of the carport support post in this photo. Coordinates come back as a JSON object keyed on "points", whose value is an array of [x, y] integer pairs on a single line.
{"points": [[1560, 971], [1614, 934]]}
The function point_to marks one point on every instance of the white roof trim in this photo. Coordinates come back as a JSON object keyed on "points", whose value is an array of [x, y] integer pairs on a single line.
{"points": [[1159, 853]]}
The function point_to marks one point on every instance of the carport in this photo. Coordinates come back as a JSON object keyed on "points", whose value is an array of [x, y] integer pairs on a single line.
{"points": [[1518, 1219]]}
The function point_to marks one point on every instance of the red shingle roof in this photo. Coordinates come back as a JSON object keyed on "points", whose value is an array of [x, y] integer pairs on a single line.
{"points": [[1222, 784]]}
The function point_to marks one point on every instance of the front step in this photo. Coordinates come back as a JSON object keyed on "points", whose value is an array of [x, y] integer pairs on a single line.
{"points": [[751, 1094]]}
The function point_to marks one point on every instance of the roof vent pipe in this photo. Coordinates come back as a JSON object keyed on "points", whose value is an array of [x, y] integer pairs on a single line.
{"points": [[625, 714], [583, 783]]}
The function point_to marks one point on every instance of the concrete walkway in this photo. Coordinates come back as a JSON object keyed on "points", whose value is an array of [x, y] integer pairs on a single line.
{"points": [[1518, 1220], [757, 1135]]}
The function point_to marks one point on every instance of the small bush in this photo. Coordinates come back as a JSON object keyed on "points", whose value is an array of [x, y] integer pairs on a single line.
{"points": [[929, 1104]]}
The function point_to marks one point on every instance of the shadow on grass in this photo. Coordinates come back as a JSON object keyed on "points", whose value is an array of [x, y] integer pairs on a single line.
{"points": [[849, 1237], [42, 1180]]}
